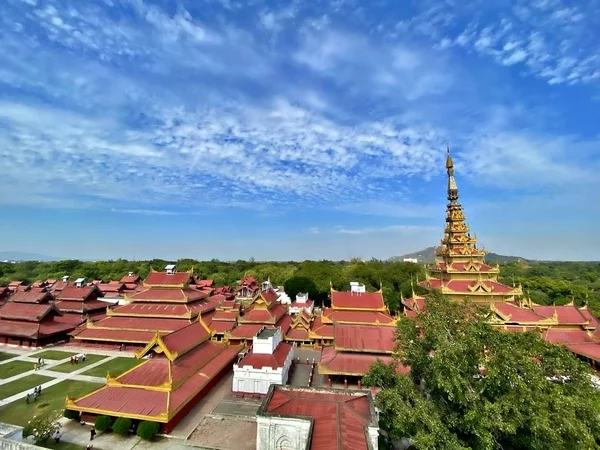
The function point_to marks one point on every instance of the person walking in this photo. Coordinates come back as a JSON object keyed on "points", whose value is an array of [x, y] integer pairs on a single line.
{"points": [[27, 398], [92, 433], [57, 437]]}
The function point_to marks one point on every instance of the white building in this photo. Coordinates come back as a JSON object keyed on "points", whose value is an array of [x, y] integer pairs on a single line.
{"points": [[302, 303], [292, 418], [412, 260], [355, 286], [267, 363]]}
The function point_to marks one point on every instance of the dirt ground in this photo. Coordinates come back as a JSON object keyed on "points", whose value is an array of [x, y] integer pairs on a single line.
{"points": [[225, 433]]}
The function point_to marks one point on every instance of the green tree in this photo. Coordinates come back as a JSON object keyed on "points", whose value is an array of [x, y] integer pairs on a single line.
{"points": [[473, 386], [42, 427], [295, 285]]}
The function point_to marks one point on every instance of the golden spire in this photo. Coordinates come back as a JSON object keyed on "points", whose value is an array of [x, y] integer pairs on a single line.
{"points": [[452, 187]]}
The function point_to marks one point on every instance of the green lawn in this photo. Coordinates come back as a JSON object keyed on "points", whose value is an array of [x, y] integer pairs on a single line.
{"points": [[115, 366], [24, 384], [68, 367], [63, 445], [4, 355], [53, 354], [13, 368], [53, 398]]}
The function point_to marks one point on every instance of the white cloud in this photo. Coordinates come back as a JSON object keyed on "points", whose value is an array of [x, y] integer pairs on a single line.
{"points": [[401, 229]]}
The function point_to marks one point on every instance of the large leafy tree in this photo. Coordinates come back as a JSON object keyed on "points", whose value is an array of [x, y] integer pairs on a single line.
{"points": [[473, 386]]}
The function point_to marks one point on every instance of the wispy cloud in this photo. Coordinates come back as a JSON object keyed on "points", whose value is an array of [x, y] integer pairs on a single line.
{"points": [[145, 212], [401, 229]]}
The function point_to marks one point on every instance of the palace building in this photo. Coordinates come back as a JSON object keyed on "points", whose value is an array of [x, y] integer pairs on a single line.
{"points": [[180, 369], [166, 302], [460, 271]]}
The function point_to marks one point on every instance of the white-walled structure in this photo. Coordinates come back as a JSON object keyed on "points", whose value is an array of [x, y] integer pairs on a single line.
{"points": [[267, 363], [302, 303], [355, 286]]}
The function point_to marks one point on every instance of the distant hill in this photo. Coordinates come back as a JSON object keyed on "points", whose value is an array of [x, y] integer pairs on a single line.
{"points": [[24, 256], [428, 255]]}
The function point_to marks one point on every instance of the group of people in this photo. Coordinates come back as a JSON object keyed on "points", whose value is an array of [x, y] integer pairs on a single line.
{"points": [[39, 364], [37, 391], [75, 359]]}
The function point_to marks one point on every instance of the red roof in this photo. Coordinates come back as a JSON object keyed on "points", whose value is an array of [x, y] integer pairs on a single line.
{"points": [[512, 313], [246, 330], [561, 336], [221, 327], [34, 295], [340, 418], [30, 312], [273, 361], [364, 338], [284, 323], [297, 334], [321, 329], [461, 286], [357, 316], [255, 313], [357, 300], [169, 295], [587, 314], [182, 340], [151, 309], [460, 266], [567, 314], [205, 283], [19, 328], [142, 323], [351, 363], [133, 279], [588, 350], [72, 292], [165, 279], [225, 315], [94, 334], [82, 307], [112, 287]]}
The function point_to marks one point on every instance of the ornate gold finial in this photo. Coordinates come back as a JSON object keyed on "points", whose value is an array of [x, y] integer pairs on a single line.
{"points": [[449, 162]]}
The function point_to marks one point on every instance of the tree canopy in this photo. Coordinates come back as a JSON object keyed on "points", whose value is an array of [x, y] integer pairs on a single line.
{"points": [[473, 386]]}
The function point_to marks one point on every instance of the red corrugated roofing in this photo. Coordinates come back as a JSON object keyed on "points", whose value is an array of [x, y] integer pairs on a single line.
{"points": [[461, 266], [274, 361], [221, 327], [340, 419], [350, 363], [357, 300], [357, 316], [364, 338], [142, 323], [112, 287], [298, 334], [72, 292], [94, 334], [34, 330], [34, 295], [246, 330], [30, 312], [517, 314], [205, 283], [321, 329], [151, 309], [566, 314], [561, 336], [81, 307], [131, 279], [587, 314], [168, 294], [184, 338], [165, 279], [588, 350], [464, 285], [225, 315], [285, 323], [126, 401]]}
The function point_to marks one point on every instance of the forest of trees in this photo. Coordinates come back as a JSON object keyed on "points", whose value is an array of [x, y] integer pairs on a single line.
{"points": [[545, 282]]}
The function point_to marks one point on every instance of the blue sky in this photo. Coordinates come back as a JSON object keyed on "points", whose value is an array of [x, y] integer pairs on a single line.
{"points": [[291, 130]]}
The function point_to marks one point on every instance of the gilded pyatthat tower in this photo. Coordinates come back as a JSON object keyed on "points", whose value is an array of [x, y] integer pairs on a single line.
{"points": [[459, 270]]}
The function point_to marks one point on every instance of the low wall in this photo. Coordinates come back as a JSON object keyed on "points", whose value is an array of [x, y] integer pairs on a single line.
{"points": [[7, 444]]}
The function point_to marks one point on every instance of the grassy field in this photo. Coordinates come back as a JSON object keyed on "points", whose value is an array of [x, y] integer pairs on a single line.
{"points": [[68, 367], [63, 445], [13, 368], [115, 366], [24, 384], [53, 354], [53, 398], [5, 355]]}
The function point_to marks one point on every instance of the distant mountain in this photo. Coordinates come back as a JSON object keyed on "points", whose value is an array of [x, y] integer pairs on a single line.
{"points": [[428, 255], [24, 256]]}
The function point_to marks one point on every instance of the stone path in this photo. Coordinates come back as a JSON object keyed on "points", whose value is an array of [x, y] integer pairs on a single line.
{"points": [[58, 376]]}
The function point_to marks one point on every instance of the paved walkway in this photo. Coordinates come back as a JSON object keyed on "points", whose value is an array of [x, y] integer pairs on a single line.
{"points": [[58, 377]]}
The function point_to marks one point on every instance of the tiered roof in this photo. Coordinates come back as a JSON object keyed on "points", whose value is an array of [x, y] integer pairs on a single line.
{"points": [[339, 419], [460, 270], [167, 303], [31, 320], [183, 366]]}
